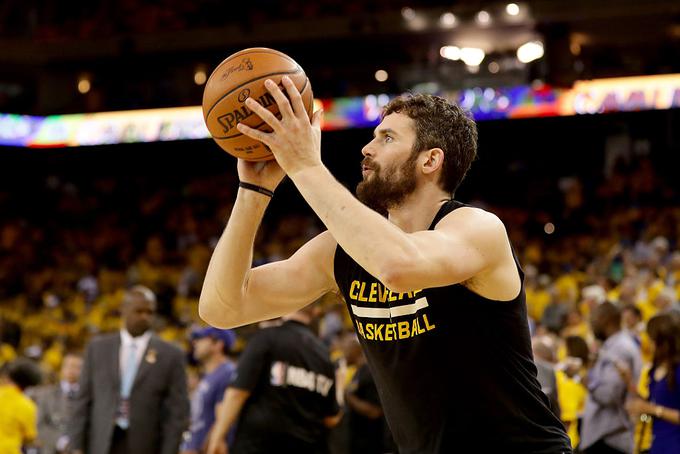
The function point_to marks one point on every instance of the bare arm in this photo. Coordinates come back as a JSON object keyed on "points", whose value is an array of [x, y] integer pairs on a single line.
{"points": [[268, 291], [233, 294], [469, 243], [637, 406], [226, 414], [363, 407], [466, 243], [332, 421]]}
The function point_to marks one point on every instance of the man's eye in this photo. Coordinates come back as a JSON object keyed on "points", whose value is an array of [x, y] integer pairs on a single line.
{"points": [[388, 138]]}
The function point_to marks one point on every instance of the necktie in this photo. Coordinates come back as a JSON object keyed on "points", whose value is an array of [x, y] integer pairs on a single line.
{"points": [[129, 372], [72, 392], [126, 386]]}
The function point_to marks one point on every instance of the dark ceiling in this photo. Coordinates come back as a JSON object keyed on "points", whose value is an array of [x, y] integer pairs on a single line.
{"points": [[138, 54]]}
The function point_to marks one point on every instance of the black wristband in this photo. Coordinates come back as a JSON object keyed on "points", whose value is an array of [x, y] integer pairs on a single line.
{"points": [[256, 188]]}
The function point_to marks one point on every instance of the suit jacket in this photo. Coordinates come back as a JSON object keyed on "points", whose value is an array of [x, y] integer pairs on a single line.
{"points": [[159, 404], [605, 417], [54, 409]]}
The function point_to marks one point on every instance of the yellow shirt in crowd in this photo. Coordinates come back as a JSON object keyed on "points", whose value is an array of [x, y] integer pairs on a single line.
{"points": [[571, 395], [18, 419]]}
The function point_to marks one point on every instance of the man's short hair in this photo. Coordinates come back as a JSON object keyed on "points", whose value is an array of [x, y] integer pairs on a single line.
{"points": [[632, 308], [24, 373], [440, 124]]}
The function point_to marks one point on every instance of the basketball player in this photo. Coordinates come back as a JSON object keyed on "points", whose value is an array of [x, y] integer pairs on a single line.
{"points": [[434, 289]]}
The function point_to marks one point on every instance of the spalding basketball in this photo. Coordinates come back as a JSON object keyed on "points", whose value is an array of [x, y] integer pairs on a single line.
{"points": [[239, 77]]}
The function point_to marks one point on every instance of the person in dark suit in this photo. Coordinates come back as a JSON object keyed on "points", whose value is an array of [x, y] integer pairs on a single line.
{"points": [[55, 405], [133, 390]]}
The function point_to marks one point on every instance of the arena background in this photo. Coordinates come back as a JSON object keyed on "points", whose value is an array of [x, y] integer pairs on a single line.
{"points": [[78, 224]]}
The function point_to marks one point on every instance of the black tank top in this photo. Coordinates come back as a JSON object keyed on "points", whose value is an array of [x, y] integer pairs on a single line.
{"points": [[454, 370]]}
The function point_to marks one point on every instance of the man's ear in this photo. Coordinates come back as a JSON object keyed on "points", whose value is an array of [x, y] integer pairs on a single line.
{"points": [[433, 160]]}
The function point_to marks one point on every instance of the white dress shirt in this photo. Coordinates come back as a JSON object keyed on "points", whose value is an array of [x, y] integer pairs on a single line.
{"points": [[126, 341]]}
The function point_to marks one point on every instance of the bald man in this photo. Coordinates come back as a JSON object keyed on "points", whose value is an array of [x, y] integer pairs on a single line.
{"points": [[133, 389]]}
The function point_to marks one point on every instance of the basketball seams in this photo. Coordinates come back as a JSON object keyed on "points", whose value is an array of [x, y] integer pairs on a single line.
{"points": [[256, 60], [263, 50], [238, 134], [285, 73]]}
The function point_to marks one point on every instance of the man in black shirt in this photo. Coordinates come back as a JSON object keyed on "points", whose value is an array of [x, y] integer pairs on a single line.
{"points": [[283, 398], [428, 281]]}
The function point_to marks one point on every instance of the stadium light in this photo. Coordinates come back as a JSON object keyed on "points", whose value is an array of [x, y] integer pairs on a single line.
{"points": [[512, 9], [528, 52], [381, 75], [84, 84], [448, 20], [472, 56], [483, 18], [408, 13], [200, 76], [450, 52]]}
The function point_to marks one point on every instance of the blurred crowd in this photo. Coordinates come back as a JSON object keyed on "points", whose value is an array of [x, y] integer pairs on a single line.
{"points": [[592, 274]]}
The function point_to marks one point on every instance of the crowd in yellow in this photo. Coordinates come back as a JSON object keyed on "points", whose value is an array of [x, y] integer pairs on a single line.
{"points": [[49, 307]]}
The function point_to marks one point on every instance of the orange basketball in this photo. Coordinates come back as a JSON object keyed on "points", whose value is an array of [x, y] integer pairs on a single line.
{"points": [[239, 77]]}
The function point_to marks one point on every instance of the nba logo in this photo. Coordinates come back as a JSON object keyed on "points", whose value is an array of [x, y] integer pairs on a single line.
{"points": [[278, 374]]}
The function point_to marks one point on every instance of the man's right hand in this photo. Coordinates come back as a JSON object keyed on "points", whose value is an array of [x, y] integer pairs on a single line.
{"points": [[267, 174]]}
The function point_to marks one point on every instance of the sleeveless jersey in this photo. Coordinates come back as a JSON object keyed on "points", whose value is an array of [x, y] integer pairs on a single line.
{"points": [[454, 370]]}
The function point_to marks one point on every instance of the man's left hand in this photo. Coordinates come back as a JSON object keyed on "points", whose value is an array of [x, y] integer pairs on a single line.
{"points": [[295, 140]]}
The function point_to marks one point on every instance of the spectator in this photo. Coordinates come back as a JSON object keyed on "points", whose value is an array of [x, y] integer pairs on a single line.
{"points": [[284, 394], [571, 391], [666, 301], [664, 392], [366, 424], [211, 347], [606, 427], [55, 406], [133, 389], [18, 412], [631, 319], [544, 357]]}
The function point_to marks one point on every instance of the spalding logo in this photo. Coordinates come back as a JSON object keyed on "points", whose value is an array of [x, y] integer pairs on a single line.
{"points": [[245, 93], [244, 65], [231, 119]]}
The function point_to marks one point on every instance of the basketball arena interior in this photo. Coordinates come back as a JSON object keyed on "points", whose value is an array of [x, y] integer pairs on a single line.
{"points": [[114, 197]]}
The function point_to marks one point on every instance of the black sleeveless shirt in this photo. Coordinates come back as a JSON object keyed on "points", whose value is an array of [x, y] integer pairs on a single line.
{"points": [[454, 370]]}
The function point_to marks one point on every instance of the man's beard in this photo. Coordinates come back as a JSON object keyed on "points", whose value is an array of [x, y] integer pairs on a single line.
{"points": [[386, 189]]}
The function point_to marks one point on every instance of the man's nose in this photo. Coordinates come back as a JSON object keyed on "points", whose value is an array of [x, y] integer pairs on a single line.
{"points": [[367, 150]]}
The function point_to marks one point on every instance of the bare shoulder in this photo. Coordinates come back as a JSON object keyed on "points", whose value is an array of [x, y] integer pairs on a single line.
{"points": [[485, 232], [475, 224]]}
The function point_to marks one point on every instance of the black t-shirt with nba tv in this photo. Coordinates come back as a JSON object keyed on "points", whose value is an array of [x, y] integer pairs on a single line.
{"points": [[291, 378], [454, 370]]}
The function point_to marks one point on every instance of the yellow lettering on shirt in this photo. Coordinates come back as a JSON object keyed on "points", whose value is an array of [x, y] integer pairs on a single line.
{"points": [[427, 323], [369, 331], [353, 290], [393, 297], [395, 331], [390, 333], [360, 329], [382, 293], [378, 331], [374, 292], [361, 292], [404, 330]]}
